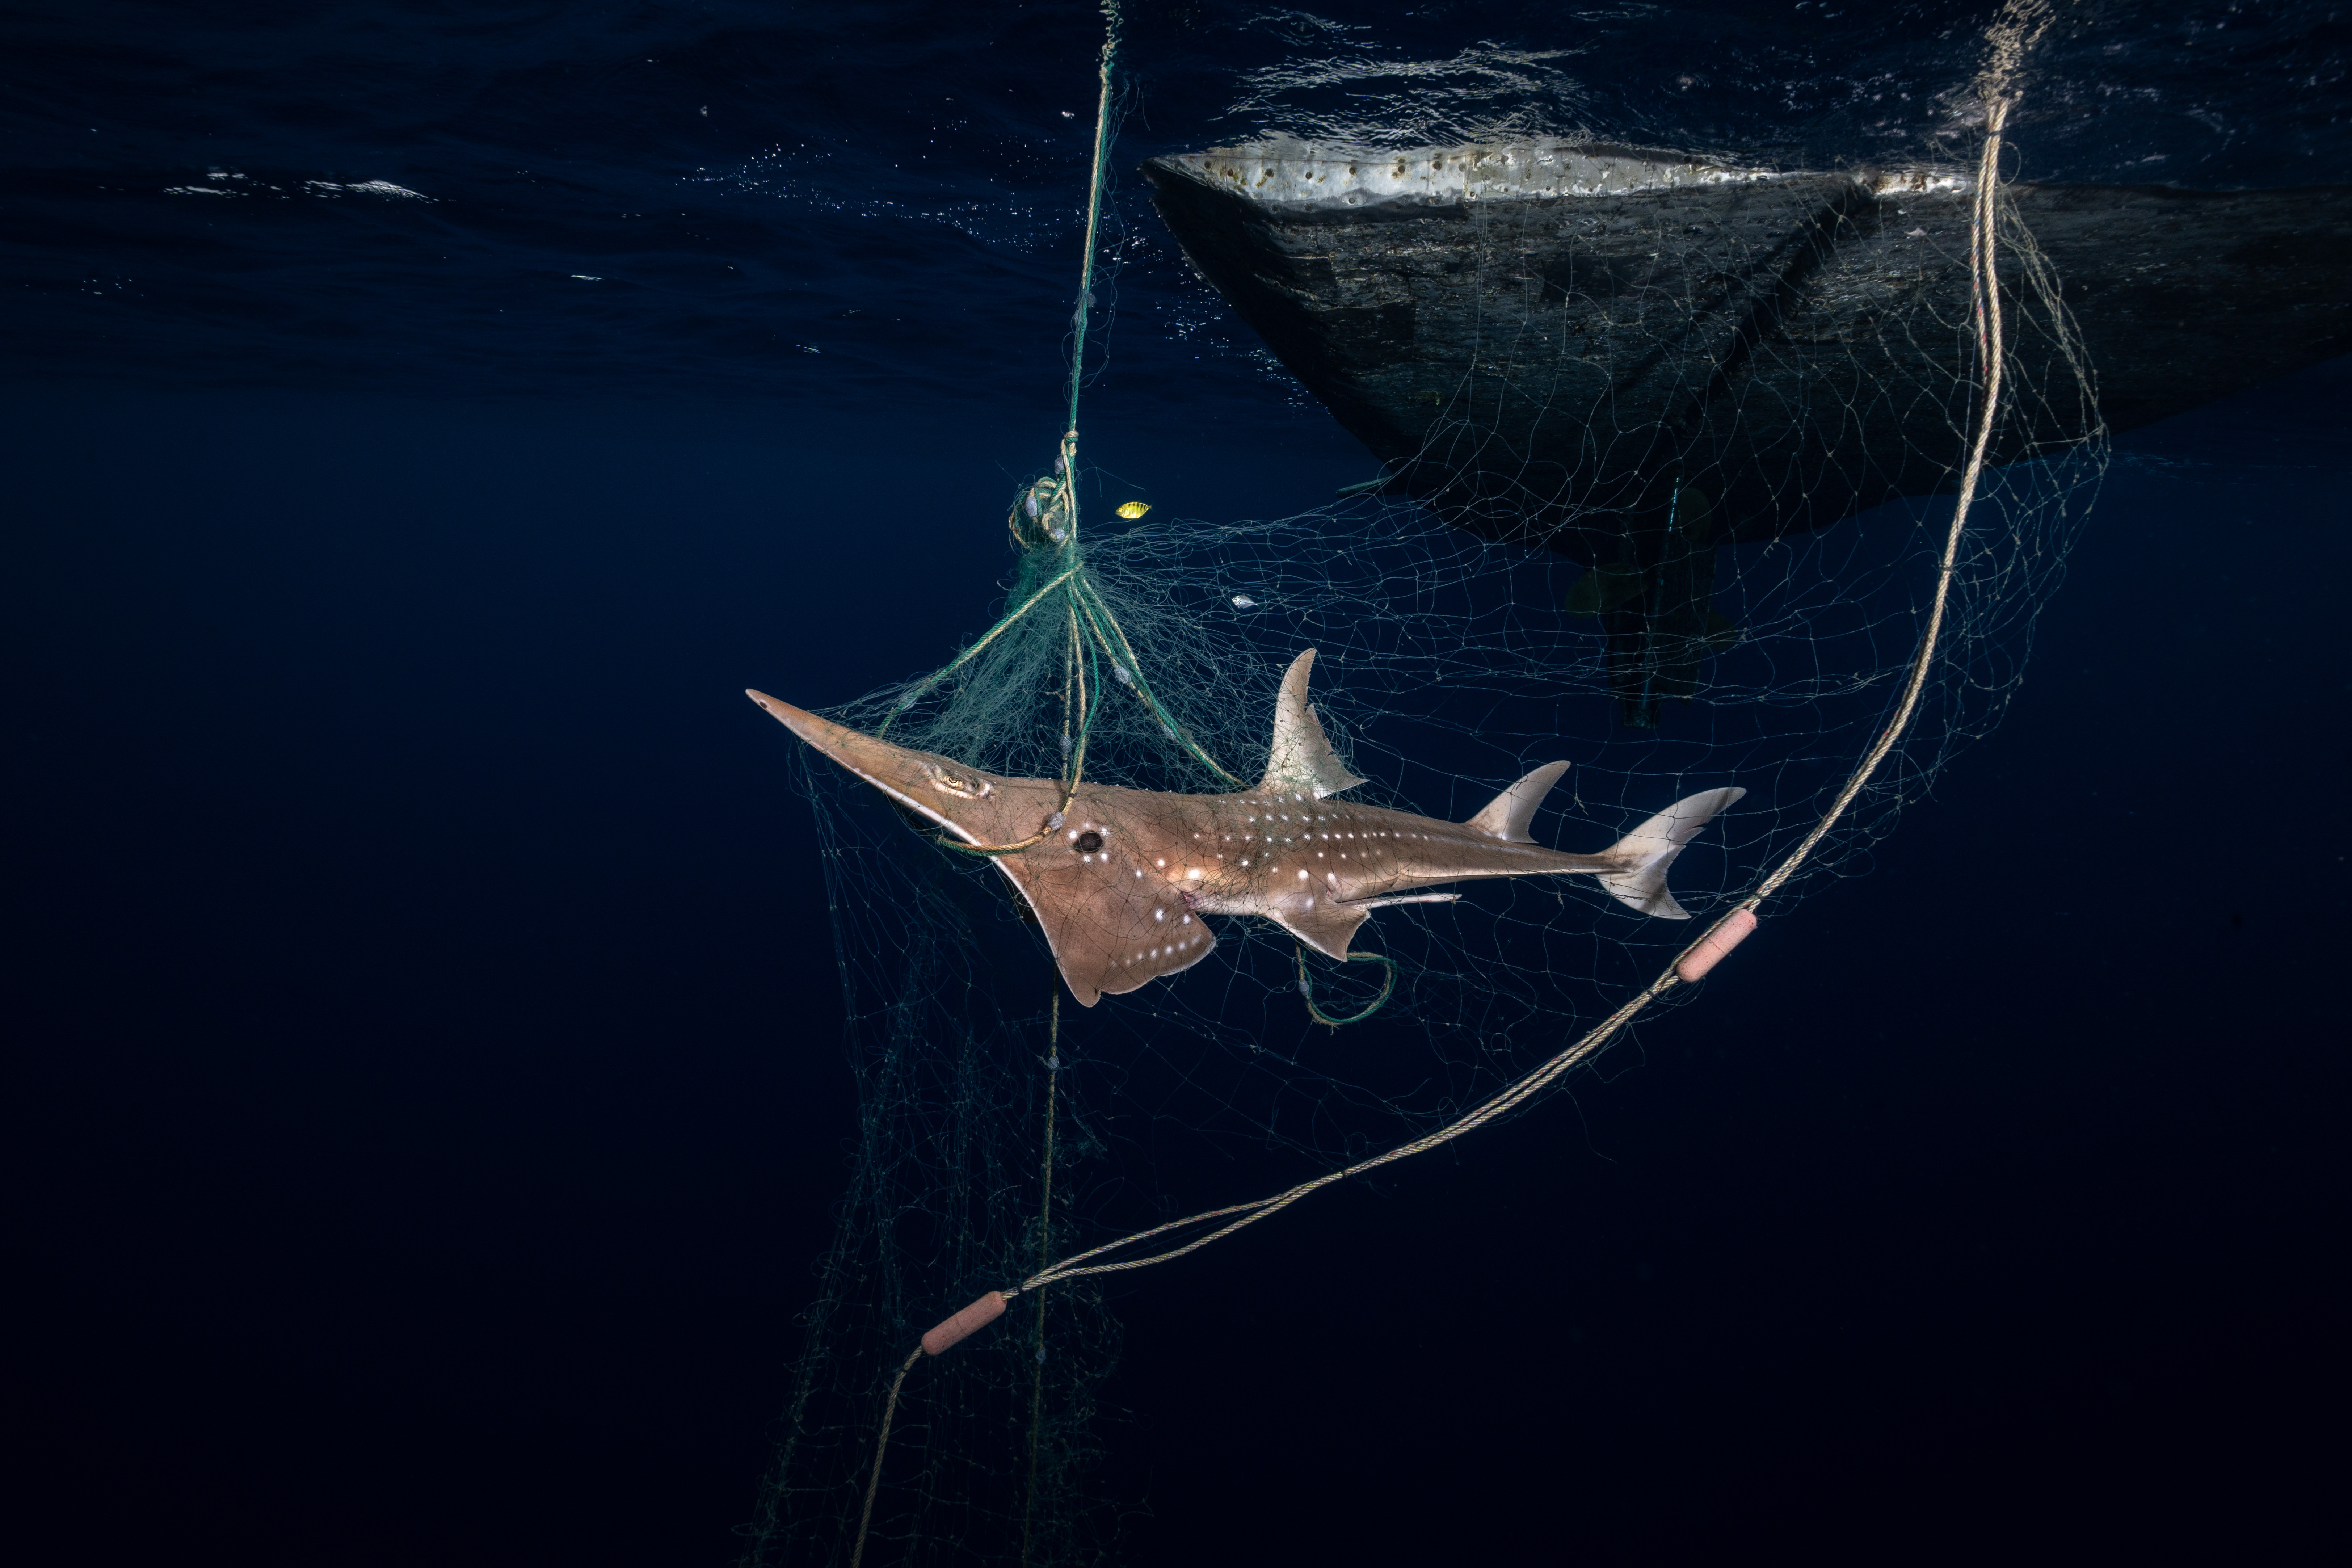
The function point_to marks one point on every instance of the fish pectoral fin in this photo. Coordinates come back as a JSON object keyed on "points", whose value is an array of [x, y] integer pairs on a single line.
{"points": [[1109, 933], [1323, 923]]}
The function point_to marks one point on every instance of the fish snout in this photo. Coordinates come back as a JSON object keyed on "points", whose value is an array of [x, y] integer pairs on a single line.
{"points": [[799, 723], [978, 808]]}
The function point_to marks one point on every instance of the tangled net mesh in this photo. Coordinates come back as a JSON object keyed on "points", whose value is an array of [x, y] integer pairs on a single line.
{"points": [[1457, 651]]}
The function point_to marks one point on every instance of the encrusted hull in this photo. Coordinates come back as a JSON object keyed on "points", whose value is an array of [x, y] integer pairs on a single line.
{"points": [[1633, 357]]}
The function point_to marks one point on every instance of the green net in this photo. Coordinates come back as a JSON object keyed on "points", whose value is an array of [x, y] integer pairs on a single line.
{"points": [[1610, 541]]}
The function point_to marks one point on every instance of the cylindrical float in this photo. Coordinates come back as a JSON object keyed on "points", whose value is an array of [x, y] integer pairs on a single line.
{"points": [[966, 1323], [1693, 964]]}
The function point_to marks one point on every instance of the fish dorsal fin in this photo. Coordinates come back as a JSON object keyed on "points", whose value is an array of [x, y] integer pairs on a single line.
{"points": [[1301, 761], [1507, 814]]}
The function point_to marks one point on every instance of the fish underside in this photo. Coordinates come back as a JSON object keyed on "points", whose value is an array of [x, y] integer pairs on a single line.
{"points": [[1120, 884]]}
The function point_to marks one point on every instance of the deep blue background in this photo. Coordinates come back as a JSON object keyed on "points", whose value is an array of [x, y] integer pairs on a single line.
{"points": [[426, 1096]]}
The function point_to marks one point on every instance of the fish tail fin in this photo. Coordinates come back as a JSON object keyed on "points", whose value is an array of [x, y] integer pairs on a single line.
{"points": [[1649, 850]]}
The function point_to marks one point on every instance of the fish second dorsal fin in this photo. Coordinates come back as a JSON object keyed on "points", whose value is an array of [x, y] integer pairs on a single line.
{"points": [[1507, 814], [1301, 761]]}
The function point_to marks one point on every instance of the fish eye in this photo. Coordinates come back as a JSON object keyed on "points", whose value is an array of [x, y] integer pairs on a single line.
{"points": [[1088, 843]]}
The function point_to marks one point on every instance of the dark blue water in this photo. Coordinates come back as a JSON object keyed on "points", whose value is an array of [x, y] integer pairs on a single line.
{"points": [[428, 1097], [836, 203]]}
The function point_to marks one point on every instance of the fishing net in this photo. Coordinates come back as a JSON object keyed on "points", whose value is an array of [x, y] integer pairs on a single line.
{"points": [[1678, 528]]}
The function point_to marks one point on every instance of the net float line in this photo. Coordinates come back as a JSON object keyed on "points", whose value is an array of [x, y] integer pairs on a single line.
{"points": [[2021, 24], [944, 1336], [1716, 945], [952, 1332]]}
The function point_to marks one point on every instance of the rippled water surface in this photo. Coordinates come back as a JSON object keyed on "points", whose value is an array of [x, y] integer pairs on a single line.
{"points": [[880, 201]]}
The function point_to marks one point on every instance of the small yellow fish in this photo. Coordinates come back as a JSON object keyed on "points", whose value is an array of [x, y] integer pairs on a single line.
{"points": [[1133, 509]]}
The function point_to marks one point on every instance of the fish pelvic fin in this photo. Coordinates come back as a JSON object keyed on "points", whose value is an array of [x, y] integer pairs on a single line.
{"points": [[1301, 761], [1323, 923], [1507, 814], [1649, 850]]}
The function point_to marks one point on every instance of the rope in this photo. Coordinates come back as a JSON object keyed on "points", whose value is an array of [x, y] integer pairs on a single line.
{"points": [[1087, 268], [1085, 594], [1044, 1253], [1099, 621], [2010, 40], [874, 1477], [986, 637], [2007, 45], [1077, 759], [1306, 988]]}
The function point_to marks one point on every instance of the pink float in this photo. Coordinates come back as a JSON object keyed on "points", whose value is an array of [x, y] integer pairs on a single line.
{"points": [[972, 1320], [1693, 964]]}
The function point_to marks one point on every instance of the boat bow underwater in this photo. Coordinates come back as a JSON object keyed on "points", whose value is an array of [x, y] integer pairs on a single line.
{"points": [[1635, 357]]}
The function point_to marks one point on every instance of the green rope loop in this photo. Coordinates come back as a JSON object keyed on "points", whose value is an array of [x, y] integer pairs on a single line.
{"points": [[1306, 988]]}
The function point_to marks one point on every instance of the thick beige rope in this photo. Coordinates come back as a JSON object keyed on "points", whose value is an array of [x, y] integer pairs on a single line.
{"points": [[2020, 25], [874, 1478]]}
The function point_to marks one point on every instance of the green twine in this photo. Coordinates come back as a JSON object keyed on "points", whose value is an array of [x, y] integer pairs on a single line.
{"points": [[986, 637], [1306, 988], [1077, 759], [1085, 594], [1093, 216], [1085, 598]]}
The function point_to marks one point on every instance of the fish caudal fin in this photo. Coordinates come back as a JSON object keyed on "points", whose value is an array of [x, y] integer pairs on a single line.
{"points": [[1507, 814], [1649, 850]]}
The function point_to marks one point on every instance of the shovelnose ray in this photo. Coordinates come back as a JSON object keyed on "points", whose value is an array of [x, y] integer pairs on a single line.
{"points": [[1120, 883]]}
